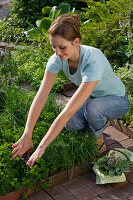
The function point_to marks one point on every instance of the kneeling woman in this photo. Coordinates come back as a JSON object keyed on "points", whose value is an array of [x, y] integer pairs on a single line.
{"points": [[99, 97]]}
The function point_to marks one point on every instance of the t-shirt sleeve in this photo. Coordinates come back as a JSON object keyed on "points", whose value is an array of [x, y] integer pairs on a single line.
{"points": [[92, 66], [54, 64]]}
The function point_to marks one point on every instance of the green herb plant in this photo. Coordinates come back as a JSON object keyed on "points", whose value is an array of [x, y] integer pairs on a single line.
{"points": [[113, 165]]}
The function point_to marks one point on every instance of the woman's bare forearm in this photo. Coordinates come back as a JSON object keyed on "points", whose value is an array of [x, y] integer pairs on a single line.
{"points": [[34, 113], [39, 101]]}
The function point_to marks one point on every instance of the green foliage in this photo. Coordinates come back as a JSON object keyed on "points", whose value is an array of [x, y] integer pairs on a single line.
{"points": [[113, 165], [23, 14], [31, 10], [67, 149], [16, 103], [108, 27], [126, 75], [38, 33], [31, 62], [8, 65], [10, 30], [128, 118]]}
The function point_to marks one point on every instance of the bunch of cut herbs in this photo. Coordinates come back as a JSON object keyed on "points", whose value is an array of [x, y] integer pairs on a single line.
{"points": [[113, 165]]}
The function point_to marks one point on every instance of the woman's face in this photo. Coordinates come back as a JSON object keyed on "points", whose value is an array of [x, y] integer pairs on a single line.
{"points": [[63, 48]]}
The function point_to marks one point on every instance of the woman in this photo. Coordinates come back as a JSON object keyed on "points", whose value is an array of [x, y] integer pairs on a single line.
{"points": [[99, 97]]}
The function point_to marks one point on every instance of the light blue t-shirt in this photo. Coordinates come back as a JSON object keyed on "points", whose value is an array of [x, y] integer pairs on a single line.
{"points": [[93, 66]]}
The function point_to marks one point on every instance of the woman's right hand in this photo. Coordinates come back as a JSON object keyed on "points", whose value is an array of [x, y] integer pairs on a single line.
{"points": [[21, 146]]}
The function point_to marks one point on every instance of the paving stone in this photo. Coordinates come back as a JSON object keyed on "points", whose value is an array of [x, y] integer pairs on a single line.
{"points": [[57, 190], [3, 13], [130, 148], [61, 99], [126, 189], [115, 134], [40, 196], [113, 195], [129, 176], [95, 198], [108, 140], [66, 197], [130, 198], [79, 189], [2, 2], [116, 185], [127, 143], [74, 185], [69, 93], [85, 193], [90, 181], [114, 145], [6, 6], [60, 192]]}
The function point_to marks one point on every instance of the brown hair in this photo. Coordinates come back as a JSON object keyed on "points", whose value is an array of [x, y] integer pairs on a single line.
{"points": [[67, 26]]}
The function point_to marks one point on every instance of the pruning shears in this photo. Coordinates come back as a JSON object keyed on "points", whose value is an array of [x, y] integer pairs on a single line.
{"points": [[25, 157]]}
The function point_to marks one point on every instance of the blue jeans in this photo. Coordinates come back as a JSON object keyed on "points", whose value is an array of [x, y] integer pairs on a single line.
{"points": [[95, 112]]}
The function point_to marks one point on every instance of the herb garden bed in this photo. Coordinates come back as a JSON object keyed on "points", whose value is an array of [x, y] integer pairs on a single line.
{"points": [[55, 179]]}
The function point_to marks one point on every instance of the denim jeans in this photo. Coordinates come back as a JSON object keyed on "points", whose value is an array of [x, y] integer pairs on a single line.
{"points": [[96, 111]]}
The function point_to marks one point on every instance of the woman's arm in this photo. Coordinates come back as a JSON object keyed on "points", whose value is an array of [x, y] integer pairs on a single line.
{"points": [[39, 101], [72, 106], [25, 142]]}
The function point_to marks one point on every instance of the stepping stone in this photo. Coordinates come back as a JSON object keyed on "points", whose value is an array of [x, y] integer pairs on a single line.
{"points": [[115, 134]]}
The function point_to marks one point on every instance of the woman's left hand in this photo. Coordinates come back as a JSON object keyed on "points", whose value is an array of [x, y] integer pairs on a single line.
{"points": [[37, 154]]}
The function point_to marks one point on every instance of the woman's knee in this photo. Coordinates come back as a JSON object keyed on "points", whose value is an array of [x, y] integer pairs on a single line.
{"points": [[92, 110], [76, 124], [94, 115]]}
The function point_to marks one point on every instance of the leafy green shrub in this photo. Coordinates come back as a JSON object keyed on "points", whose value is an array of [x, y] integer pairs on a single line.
{"points": [[39, 33], [108, 27], [24, 13], [128, 119], [27, 66], [31, 62], [126, 75], [12, 30], [32, 10]]}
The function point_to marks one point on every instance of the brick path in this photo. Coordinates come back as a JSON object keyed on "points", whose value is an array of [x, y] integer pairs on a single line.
{"points": [[84, 187]]}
